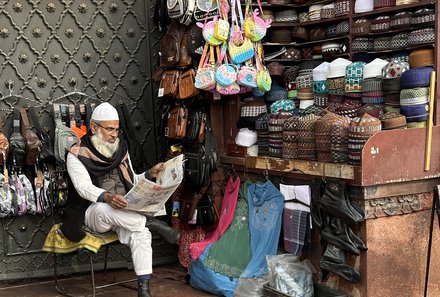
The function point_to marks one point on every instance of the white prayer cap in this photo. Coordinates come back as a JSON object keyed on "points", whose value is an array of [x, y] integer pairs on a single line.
{"points": [[105, 112]]}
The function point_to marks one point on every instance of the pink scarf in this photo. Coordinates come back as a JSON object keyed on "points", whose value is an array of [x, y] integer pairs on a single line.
{"points": [[227, 214]]}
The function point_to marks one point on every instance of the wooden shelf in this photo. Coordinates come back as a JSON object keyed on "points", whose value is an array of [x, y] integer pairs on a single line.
{"points": [[309, 23], [398, 8]]}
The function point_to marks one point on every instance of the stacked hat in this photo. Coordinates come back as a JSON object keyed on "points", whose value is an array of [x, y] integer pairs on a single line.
{"points": [[372, 91], [360, 130], [299, 33], [317, 33], [422, 36], [303, 17], [399, 41], [331, 31], [328, 11], [268, 15], [382, 43], [362, 44], [404, 2], [401, 20], [392, 121], [261, 126], [320, 85], [384, 3], [336, 76], [280, 36], [286, 15], [361, 27], [402, 56], [276, 93], [342, 7], [339, 140], [380, 24], [290, 139], [292, 53], [323, 135], [306, 137], [354, 76], [250, 109], [246, 137], [283, 104], [275, 69], [275, 135], [422, 17], [315, 12], [330, 50], [414, 95], [421, 57], [348, 107], [290, 74], [375, 110], [392, 73], [342, 28], [363, 6]]}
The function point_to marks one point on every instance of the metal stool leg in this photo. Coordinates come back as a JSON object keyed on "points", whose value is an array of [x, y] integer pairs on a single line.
{"points": [[92, 274]]}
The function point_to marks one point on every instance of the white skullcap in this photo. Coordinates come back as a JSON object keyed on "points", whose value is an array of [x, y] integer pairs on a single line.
{"points": [[105, 112], [246, 137]]}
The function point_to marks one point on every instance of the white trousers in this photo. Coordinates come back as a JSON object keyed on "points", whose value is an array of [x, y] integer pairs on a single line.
{"points": [[130, 227]]}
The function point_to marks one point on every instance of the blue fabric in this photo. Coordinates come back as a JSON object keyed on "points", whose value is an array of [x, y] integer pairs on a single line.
{"points": [[144, 277], [265, 215], [205, 279]]}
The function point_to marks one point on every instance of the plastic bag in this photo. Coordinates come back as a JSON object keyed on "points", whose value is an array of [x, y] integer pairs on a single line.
{"points": [[290, 276], [250, 287]]}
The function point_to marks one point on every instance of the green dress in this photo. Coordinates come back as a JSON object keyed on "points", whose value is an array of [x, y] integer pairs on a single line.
{"points": [[231, 253]]}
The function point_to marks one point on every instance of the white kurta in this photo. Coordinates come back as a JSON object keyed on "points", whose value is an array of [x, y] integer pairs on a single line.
{"points": [[101, 217]]}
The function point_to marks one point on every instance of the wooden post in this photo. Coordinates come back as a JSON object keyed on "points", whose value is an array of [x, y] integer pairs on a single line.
{"points": [[430, 121]]}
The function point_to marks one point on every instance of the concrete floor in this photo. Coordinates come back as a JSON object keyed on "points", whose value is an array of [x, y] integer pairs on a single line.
{"points": [[167, 281]]}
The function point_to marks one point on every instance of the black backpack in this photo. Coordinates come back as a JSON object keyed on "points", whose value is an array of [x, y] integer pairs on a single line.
{"points": [[197, 165]]}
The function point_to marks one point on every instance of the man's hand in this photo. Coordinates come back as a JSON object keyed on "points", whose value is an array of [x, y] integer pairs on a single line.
{"points": [[156, 169], [115, 200]]}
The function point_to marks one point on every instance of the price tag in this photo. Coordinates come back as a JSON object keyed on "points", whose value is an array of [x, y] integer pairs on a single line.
{"points": [[217, 96], [160, 93]]}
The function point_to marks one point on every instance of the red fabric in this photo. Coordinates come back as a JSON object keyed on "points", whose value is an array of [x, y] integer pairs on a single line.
{"points": [[227, 214]]}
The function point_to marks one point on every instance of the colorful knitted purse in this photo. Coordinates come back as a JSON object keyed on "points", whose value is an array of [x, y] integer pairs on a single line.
{"points": [[221, 28], [247, 76], [225, 74], [205, 77], [255, 27], [208, 31], [264, 81], [239, 52]]}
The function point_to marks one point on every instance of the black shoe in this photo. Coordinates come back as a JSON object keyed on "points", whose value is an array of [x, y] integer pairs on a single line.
{"points": [[333, 261], [358, 242], [144, 288], [335, 201], [163, 229], [337, 234]]}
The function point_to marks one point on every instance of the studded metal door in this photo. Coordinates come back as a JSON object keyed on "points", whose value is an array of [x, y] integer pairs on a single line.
{"points": [[49, 48]]}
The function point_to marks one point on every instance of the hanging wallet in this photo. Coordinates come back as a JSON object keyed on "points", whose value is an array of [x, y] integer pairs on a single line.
{"points": [[177, 121], [169, 82], [186, 82]]}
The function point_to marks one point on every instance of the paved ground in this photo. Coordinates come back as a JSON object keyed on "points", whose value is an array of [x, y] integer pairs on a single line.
{"points": [[168, 281]]}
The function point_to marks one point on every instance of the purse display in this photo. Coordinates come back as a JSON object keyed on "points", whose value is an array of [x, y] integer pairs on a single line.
{"points": [[205, 77]]}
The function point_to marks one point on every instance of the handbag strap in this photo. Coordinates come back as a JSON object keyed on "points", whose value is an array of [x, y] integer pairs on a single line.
{"points": [[202, 61]]}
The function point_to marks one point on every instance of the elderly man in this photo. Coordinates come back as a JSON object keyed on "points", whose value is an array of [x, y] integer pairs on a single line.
{"points": [[100, 171]]}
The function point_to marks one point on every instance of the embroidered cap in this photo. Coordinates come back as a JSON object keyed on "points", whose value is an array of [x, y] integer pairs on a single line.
{"points": [[105, 112]]}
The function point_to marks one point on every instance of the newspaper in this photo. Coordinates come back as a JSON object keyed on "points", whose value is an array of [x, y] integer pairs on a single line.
{"points": [[149, 197]]}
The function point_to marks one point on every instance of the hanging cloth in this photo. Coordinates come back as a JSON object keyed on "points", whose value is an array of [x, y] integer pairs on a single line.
{"points": [[226, 215], [265, 215], [231, 253]]}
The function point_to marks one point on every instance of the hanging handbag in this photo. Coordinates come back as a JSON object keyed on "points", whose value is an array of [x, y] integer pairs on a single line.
{"points": [[205, 77], [186, 82], [4, 144], [168, 83], [239, 51], [225, 74], [205, 9], [196, 42], [185, 59], [264, 81], [221, 29], [177, 121], [208, 31], [232, 89], [254, 26], [32, 142], [247, 76]]}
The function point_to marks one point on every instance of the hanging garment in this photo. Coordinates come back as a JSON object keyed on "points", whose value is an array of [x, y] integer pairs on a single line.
{"points": [[296, 219], [227, 214], [265, 209], [231, 253]]}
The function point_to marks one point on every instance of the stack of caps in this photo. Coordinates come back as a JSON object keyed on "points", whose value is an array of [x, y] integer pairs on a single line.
{"points": [[261, 126], [290, 139], [402, 56], [372, 92], [289, 78], [382, 43], [330, 50], [292, 53], [392, 73], [246, 137], [251, 108], [317, 33], [306, 137], [299, 33], [380, 24], [360, 130], [421, 57], [320, 85], [328, 11], [414, 95], [331, 31], [404, 2], [339, 140], [275, 69], [342, 28], [348, 107], [384, 3], [392, 121], [267, 15], [283, 104], [399, 41], [276, 93], [361, 27], [363, 6], [422, 17], [317, 52], [323, 136], [303, 17], [342, 7], [275, 136], [280, 36], [287, 15], [307, 53], [375, 110], [421, 36], [304, 83], [315, 12], [401, 20], [336, 76], [362, 44], [354, 76]]}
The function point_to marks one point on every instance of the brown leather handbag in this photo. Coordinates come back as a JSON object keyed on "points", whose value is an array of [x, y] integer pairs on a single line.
{"points": [[177, 121], [169, 82], [33, 143], [185, 60], [4, 144], [186, 81]]}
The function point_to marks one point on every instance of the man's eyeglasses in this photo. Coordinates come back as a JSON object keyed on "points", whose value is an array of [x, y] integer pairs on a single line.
{"points": [[109, 129]]}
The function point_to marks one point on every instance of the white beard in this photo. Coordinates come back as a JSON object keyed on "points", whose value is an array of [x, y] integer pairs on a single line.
{"points": [[107, 149]]}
